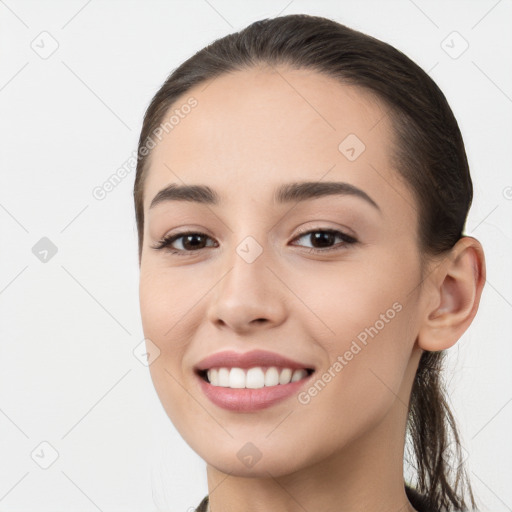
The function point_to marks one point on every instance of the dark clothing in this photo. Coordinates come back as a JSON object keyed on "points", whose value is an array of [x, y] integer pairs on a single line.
{"points": [[418, 501]]}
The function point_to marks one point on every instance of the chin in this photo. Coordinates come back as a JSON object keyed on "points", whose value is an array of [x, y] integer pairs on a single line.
{"points": [[262, 469], [248, 461]]}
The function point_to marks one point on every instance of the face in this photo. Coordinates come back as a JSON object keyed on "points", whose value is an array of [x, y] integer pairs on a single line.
{"points": [[328, 280]]}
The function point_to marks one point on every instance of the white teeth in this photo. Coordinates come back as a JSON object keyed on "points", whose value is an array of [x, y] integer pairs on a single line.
{"points": [[253, 378], [272, 376], [236, 378], [298, 374], [286, 376], [213, 375], [223, 378]]}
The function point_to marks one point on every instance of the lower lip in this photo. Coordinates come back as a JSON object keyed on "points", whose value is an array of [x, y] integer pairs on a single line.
{"points": [[248, 400]]}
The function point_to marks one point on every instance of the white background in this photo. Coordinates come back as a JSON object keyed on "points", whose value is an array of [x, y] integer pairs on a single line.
{"points": [[68, 374]]}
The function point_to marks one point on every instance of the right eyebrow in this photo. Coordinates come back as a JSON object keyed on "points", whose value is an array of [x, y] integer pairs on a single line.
{"points": [[195, 193]]}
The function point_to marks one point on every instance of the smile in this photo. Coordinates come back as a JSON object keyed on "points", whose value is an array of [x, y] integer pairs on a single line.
{"points": [[253, 378], [251, 381]]}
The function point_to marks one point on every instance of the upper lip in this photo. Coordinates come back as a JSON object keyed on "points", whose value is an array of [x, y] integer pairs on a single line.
{"points": [[231, 359]]}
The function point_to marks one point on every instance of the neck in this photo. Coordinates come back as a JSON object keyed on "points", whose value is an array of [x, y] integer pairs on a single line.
{"points": [[366, 474]]}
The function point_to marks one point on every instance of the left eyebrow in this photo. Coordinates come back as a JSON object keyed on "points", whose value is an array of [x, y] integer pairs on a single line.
{"points": [[289, 192], [305, 190]]}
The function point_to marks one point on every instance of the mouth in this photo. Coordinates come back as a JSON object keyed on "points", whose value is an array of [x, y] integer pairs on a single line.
{"points": [[256, 377], [251, 381]]}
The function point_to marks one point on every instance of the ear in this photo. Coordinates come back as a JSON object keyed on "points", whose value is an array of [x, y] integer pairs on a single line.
{"points": [[453, 295]]}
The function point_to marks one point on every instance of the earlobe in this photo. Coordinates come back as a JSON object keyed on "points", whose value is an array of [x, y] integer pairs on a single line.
{"points": [[455, 288]]}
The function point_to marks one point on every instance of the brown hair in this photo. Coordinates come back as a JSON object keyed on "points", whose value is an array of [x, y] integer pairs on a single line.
{"points": [[428, 154]]}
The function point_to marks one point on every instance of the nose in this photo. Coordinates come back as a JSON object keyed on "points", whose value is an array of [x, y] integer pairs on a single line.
{"points": [[247, 297]]}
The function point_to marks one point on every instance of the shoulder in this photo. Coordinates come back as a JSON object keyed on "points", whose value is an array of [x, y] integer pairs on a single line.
{"points": [[418, 501]]}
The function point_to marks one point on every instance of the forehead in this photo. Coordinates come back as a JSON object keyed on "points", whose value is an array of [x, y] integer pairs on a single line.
{"points": [[252, 130]]}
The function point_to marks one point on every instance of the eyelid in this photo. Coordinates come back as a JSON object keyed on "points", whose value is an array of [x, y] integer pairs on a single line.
{"points": [[349, 233]]}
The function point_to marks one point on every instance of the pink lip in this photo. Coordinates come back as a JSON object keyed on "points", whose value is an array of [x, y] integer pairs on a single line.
{"points": [[245, 399], [231, 359], [250, 400]]}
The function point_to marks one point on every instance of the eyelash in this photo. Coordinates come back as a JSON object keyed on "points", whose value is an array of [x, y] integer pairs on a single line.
{"points": [[165, 242]]}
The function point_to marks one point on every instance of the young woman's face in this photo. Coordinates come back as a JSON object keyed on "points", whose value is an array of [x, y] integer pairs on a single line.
{"points": [[249, 279]]}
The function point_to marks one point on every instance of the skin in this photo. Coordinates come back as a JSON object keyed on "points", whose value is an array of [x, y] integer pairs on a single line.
{"points": [[250, 132]]}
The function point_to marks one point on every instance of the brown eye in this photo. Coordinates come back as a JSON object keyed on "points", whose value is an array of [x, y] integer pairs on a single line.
{"points": [[322, 239], [190, 242]]}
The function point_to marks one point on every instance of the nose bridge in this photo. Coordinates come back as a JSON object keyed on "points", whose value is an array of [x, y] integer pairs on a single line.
{"points": [[248, 274], [249, 243], [248, 290]]}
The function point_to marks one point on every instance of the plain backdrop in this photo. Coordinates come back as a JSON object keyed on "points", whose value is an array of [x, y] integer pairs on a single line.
{"points": [[81, 427]]}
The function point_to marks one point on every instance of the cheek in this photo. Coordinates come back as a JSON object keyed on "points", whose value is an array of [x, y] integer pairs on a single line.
{"points": [[362, 321], [162, 315], [353, 297], [167, 299]]}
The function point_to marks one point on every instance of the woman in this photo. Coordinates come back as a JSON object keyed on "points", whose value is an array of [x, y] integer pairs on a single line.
{"points": [[301, 195]]}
